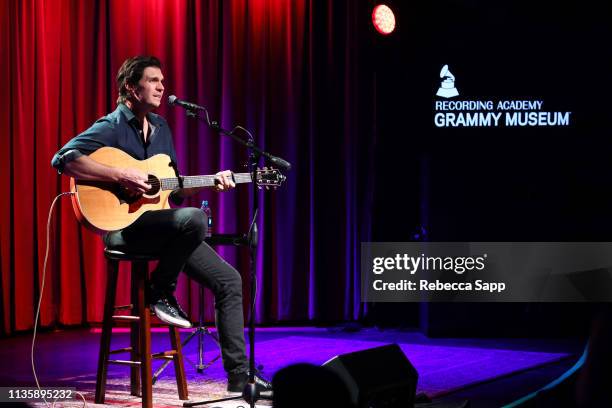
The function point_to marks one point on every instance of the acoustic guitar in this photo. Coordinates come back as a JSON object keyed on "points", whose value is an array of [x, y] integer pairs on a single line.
{"points": [[105, 206]]}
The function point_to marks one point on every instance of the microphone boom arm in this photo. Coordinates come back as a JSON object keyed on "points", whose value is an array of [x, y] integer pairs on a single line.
{"points": [[193, 109]]}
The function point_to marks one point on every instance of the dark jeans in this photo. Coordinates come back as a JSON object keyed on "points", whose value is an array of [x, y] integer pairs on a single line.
{"points": [[177, 236]]}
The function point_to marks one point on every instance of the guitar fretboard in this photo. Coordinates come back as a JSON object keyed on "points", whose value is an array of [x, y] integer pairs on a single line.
{"points": [[200, 181]]}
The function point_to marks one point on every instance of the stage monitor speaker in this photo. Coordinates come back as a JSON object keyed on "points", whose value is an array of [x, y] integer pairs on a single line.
{"points": [[380, 377]]}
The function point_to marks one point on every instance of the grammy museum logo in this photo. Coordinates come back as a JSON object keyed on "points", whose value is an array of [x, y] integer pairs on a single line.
{"points": [[447, 86], [450, 112]]}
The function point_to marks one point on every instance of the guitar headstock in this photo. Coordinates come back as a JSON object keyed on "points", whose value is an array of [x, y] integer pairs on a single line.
{"points": [[268, 177]]}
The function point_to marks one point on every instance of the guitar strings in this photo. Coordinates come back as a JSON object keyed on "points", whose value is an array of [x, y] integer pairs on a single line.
{"points": [[174, 181]]}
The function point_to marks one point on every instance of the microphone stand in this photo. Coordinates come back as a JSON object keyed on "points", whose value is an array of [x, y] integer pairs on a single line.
{"points": [[250, 393]]}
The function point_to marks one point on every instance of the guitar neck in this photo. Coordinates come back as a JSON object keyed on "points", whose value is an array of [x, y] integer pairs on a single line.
{"points": [[200, 181]]}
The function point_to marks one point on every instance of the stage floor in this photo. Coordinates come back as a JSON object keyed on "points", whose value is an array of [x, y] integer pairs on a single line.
{"points": [[489, 372]]}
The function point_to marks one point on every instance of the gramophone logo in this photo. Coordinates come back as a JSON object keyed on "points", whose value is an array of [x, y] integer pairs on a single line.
{"points": [[447, 86]]}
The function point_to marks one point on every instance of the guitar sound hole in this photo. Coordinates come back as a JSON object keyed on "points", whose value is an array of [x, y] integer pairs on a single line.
{"points": [[155, 186]]}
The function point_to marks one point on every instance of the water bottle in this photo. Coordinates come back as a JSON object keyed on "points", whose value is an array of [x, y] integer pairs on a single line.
{"points": [[209, 217]]}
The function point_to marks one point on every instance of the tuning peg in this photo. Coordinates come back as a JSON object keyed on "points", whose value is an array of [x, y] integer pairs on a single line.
{"points": [[259, 187]]}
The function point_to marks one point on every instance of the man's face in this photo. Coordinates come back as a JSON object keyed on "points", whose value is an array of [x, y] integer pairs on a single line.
{"points": [[150, 89]]}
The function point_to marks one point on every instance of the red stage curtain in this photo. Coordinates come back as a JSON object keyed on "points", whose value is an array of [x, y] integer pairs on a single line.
{"points": [[252, 63]]}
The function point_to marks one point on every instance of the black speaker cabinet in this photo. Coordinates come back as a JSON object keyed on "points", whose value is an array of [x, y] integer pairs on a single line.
{"points": [[380, 377]]}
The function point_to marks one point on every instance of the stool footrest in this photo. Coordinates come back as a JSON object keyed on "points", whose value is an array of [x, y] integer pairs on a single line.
{"points": [[121, 350], [169, 358], [124, 362], [125, 317], [164, 354], [124, 307]]}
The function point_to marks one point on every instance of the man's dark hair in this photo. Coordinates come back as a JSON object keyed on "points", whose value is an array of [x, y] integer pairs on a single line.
{"points": [[131, 72]]}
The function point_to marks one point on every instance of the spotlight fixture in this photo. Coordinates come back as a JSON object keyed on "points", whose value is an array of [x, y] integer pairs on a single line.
{"points": [[383, 19]]}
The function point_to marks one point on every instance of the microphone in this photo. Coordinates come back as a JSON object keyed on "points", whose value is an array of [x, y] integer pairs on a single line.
{"points": [[280, 163], [174, 101]]}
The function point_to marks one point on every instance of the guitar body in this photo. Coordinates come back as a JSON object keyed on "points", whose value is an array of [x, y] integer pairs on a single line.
{"points": [[103, 206]]}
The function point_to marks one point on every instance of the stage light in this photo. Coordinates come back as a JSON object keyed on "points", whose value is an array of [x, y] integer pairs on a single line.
{"points": [[383, 19]]}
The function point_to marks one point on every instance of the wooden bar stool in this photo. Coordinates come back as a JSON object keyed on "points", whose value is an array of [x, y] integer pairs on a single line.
{"points": [[140, 332]]}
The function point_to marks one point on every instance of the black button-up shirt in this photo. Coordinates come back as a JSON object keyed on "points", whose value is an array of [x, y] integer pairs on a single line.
{"points": [[120, 129]]}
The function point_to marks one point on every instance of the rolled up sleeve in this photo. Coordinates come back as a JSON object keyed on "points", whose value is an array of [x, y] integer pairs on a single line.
{"points": [[100, 134]]}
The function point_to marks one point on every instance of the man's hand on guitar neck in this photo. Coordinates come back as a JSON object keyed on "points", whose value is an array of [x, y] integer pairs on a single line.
{"points": [[224, 180]]}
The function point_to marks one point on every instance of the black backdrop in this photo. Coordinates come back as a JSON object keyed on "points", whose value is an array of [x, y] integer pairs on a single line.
{"points": [[493, 184]]}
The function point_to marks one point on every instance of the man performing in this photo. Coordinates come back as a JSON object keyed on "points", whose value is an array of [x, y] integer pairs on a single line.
{"points": [[176, 235]]}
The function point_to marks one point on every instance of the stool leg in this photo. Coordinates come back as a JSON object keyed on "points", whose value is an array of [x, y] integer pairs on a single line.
{"points": [[179, 368], [107, 327], [135, 336], [141, 268]]}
